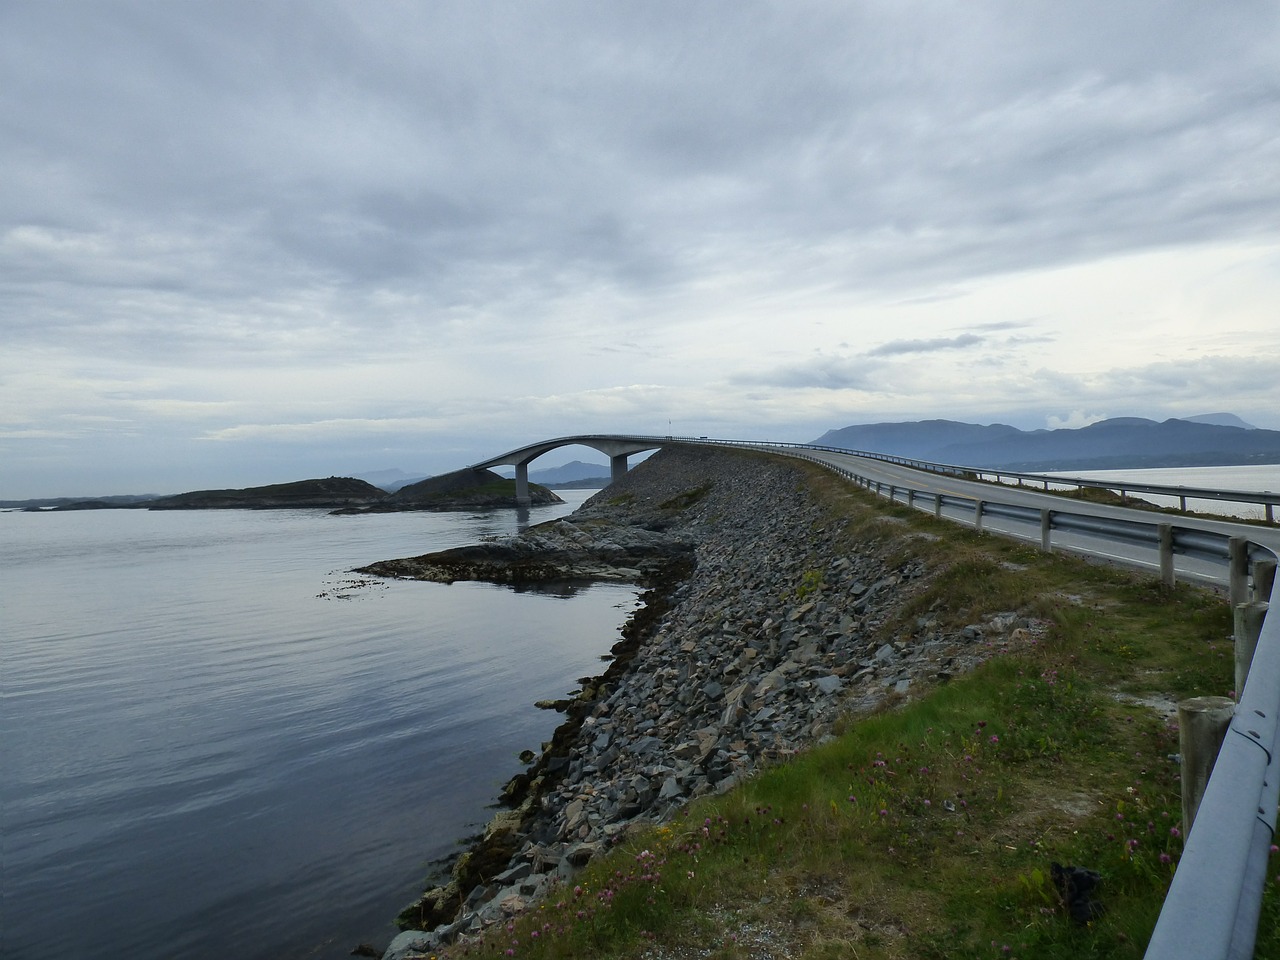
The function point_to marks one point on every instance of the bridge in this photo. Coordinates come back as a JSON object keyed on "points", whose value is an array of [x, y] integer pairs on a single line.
{"points": [[1214, 901], [616, 448]]}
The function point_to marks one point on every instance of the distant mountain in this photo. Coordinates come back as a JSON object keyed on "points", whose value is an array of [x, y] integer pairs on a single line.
{"points": [[389, 480], [571, 474], [1221, 420], [574, 471], [1109, 444]]}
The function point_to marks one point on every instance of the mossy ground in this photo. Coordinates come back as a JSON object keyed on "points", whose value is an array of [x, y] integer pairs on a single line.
{"points": [[928, 829]]}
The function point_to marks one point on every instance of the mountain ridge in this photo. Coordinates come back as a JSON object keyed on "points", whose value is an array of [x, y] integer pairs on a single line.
{"points": [[1118, 442]]}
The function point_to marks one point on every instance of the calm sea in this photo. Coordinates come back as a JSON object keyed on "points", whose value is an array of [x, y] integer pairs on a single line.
{"points": [[217, 742], [1254, 477]]}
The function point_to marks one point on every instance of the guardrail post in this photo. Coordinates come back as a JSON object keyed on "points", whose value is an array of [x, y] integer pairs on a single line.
{"points": [[1248, 627], [1164, 531], [937, 505], [1264, 579], [1202, 726], [1046, 527], [977, 515], [911, 496], [1238, 575]]}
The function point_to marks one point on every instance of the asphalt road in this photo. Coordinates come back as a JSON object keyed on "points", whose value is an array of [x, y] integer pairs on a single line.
{"points": [[1132, 555]]}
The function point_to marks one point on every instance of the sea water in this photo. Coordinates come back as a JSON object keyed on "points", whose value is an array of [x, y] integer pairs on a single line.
{"points": [[1264, 477], [216, 741]]}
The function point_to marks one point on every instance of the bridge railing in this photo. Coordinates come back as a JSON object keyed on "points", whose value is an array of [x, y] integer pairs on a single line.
{"points": [[1212, 908]]}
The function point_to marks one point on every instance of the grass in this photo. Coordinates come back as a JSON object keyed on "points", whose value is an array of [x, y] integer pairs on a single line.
{"points": [[930, 829]]}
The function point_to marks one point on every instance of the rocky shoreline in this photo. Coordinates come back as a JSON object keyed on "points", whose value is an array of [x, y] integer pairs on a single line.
{"points": [[763, 623]]}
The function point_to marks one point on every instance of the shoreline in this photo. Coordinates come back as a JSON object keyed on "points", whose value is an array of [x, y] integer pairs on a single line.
{"points": [[763, 622]]}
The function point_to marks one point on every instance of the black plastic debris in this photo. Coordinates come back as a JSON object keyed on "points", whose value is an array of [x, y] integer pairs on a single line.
{"points": [[1076, 885]]}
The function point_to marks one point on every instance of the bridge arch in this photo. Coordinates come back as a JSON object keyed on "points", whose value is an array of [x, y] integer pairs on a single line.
{"points": [[616, 448]]}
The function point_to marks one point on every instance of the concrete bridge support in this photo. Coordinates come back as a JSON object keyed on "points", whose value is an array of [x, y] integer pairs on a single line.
{"points": [[522, 484], [617, 467]]}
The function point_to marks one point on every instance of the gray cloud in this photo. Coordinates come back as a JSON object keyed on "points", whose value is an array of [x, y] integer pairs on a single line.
{"points": [[490, 191], [898, 347]]}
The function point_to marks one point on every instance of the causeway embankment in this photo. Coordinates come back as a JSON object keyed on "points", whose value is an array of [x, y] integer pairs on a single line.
{"points": [[766, 620]]}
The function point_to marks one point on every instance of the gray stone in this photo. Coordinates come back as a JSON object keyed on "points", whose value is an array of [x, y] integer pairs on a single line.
{"points": [[829, 685], [645, 746], [411, 941], [514, 874]]}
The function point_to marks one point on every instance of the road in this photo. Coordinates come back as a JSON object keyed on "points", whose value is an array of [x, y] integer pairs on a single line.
{"points": [[1133, 555]]}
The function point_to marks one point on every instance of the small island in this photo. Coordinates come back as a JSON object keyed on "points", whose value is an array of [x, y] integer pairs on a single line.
{"points": [[466, 489]]}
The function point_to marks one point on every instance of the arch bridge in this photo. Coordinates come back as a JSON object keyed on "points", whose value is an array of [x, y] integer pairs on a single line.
{"points": [[616, 447]]}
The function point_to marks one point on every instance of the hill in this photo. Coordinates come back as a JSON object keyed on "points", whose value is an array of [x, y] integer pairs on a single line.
{"points": [[467, 488], [329, 492], [1108, 444]]}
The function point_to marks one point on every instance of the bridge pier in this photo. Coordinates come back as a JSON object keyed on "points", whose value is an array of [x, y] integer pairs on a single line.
{"points": [[617, 467], [522, 484]]}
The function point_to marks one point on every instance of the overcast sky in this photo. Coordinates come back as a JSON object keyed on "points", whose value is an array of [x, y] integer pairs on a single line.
{"points": [[249, 242]]}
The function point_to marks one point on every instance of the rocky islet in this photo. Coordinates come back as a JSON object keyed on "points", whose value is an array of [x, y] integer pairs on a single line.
{"points": [[760, 628]]}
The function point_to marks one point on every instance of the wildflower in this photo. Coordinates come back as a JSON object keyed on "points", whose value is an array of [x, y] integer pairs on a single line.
{"points": [[1175, 832], [994, 738], [1165, 858]]}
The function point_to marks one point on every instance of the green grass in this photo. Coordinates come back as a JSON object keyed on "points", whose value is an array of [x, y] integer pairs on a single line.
{"points": [[928, 830]]}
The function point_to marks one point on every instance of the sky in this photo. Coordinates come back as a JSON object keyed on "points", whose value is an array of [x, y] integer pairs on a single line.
{"points": [[251, 241]]}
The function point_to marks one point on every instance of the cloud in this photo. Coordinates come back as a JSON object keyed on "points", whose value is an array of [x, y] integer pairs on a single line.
{"points": [[897, 347], [244, 220], [1073, 421]]}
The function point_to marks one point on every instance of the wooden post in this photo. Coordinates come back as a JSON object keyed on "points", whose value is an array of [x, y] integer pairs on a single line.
{"points": [[977, 515], [1165, 533], [1202, 726], [1046, 528], [1248, 627], [937, 505]]}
